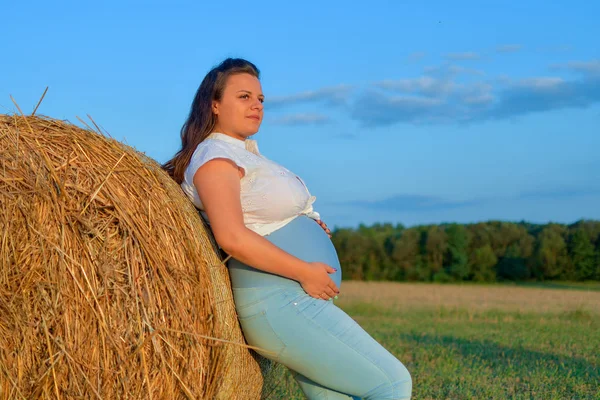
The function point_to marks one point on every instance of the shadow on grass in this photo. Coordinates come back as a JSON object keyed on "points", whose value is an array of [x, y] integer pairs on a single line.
{"points": [[504, 359]]}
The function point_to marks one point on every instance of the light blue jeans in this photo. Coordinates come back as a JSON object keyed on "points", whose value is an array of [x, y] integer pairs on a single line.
{"points": [[328, 353]]}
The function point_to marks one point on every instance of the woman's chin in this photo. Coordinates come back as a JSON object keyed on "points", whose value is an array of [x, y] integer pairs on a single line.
{"points": [[250, 132]]}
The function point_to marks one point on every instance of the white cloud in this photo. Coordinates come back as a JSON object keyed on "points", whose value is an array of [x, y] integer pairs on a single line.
{"points": [[451, 94], [333, 95], [540, 82], [426, 85], [509, 48], [301, 119], [587, 67], [479, 99], [417, 56], [469, 55], [448, 69]]}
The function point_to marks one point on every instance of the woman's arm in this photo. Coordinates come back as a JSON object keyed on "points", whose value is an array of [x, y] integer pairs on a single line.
{"points": [[218, 186]]}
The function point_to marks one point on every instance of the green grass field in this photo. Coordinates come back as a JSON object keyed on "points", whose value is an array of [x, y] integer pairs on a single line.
{"points": [[482, 342]]}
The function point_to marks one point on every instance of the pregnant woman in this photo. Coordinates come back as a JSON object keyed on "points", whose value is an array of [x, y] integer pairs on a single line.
{"points": [[284, 269]]}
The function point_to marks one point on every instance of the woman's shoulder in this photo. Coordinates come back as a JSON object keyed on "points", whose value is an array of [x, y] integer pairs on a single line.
{"points": [[209, 147], [213, 143]]}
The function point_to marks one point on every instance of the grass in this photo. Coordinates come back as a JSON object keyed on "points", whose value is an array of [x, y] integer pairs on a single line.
{"points": [[595, 286], [482, 342]]}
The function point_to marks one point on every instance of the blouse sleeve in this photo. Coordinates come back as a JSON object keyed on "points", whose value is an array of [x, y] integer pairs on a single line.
{"points": [[209, 151]]}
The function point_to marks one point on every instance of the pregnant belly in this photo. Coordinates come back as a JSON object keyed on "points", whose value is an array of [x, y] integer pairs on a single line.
{"points": [[305, 239]]}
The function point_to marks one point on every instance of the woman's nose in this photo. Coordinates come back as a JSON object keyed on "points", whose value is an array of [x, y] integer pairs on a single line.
{"points": [[258, 105]]}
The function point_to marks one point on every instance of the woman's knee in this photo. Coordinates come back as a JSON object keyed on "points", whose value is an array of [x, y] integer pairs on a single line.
{"points": [[398, 385], [402, 383]]}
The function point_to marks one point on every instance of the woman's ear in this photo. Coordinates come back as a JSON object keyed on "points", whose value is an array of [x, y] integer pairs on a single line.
{"points": [[215, 107]]}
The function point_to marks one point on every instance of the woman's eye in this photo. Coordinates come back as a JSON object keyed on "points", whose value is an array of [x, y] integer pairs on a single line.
{"points": [[245, 96], [261, 100]]}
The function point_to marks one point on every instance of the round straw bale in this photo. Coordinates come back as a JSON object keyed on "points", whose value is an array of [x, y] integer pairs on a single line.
{"points": [[110, 283]]}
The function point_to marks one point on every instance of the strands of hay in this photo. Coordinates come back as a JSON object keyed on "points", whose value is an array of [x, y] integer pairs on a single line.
{"points": [[110, 285]]}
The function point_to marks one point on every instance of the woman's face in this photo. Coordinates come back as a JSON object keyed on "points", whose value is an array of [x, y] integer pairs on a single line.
{"points": [[240, 110]]}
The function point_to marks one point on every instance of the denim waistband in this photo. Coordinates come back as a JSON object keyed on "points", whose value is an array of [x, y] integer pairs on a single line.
{"points": [[244, 276]]}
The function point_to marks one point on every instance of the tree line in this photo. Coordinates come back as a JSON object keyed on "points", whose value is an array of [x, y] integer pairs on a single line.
{"points": [[484, 252]]}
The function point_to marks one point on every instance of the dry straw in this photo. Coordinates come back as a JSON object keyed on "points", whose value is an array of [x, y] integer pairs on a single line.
{"points": [[110, 283]]}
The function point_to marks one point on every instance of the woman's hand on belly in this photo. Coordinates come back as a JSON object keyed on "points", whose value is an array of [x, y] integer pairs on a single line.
{"points": [[317, 283], [324, 226]]}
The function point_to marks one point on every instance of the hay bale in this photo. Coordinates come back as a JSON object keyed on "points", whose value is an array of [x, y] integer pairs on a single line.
{"points": [[110, 284]]}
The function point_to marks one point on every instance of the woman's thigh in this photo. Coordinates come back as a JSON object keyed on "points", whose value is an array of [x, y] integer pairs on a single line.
{"points": [[320, 341]]}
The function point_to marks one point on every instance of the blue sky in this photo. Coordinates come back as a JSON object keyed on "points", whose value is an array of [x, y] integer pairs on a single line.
{"points": [[404, 112]]}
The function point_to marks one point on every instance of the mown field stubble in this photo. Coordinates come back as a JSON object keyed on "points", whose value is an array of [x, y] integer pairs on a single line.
{"points": [[482, 342]]}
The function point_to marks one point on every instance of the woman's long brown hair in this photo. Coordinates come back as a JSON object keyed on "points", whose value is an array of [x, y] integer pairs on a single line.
{"points": [[201, 120]]}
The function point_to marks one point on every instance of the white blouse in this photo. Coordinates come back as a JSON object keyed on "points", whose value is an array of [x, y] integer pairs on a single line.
{"points": [[271, 195]]}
